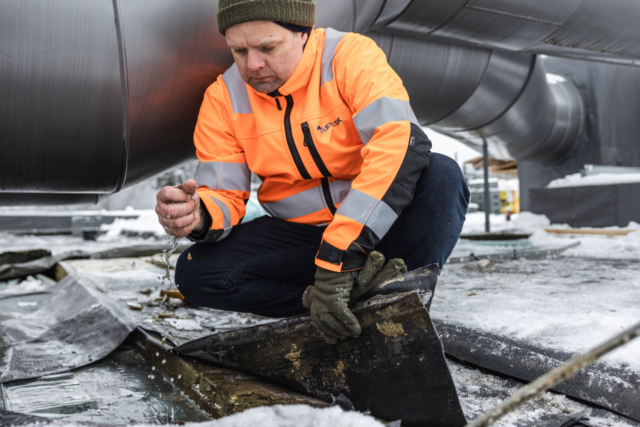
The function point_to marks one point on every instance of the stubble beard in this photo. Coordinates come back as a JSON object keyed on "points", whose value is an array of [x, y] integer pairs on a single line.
{"points": [[265, 87]]}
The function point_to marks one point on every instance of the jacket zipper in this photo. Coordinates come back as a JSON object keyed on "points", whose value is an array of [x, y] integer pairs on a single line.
{"points": [[290, 142], [308, 142], [326, 190]]}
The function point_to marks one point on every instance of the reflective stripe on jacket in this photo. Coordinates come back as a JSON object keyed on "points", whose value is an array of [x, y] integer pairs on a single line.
{"points": [[338, 144]]}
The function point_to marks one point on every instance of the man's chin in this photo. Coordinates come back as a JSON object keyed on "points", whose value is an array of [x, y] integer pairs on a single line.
{"points": [[264, 87]]}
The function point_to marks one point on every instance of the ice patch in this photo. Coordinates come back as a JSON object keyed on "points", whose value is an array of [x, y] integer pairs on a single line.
{"points": [[29, 285], [184, 324]]}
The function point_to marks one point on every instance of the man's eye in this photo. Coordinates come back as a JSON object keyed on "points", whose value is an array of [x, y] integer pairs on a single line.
{"points": [[268, 49], [240, 51]]}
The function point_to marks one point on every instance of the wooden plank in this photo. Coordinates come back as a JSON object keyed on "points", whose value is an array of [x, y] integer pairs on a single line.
{"points": [[593, 231]]}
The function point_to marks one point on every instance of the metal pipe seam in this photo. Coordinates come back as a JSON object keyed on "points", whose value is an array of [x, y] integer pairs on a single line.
{"points": [[473, 93], [502, 83], [98, 96], [542, 125], [440, 77], [586, 29], [61, 109], [122, 56]]}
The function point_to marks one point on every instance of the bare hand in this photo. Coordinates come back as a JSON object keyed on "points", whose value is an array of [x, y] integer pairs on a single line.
{"points": [[179, 209]]}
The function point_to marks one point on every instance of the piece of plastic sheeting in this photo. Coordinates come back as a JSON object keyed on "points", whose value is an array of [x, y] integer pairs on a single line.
{"points": [[68, 326], [614, 388], [41, 265], [8, 418], [121, 389], [16, 257]]}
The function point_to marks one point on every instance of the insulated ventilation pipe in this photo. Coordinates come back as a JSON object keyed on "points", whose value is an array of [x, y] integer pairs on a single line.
{"points": [[98, 96], [599, 30], [472, 93]]}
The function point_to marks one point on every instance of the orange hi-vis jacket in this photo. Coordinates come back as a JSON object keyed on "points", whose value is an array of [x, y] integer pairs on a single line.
{"points": [[337, 144]]}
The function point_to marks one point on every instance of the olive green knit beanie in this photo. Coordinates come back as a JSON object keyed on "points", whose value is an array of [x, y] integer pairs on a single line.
{"points": [[298, 12]]}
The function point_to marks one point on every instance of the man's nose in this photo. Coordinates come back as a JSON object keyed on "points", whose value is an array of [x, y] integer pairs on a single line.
{"points": [[254, 61]]}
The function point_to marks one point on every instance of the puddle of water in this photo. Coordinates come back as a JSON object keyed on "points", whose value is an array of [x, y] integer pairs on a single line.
{"points": [[121, 389]]}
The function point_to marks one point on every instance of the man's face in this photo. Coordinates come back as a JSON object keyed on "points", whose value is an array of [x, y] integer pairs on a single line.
{"points": [[266, 53]]}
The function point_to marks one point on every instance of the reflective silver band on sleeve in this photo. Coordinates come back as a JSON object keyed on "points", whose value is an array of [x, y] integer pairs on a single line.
{"points": [[369, 211], [226, 217], [331, 39], [339, 189], [224, 176], [382, 110], [237, 91]]}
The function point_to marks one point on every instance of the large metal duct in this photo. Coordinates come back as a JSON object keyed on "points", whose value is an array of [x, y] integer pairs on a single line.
{"points": [[473, 93], [587, 29], [98, 96]]}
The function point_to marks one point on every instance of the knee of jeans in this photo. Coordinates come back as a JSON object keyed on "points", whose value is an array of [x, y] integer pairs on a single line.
{"points": [[184, 277], [196, 278], [445, 166]]}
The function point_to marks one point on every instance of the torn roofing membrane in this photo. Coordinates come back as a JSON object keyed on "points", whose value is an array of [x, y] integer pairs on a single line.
{"points": [[69, 326], [86, 313], [121, 389]]}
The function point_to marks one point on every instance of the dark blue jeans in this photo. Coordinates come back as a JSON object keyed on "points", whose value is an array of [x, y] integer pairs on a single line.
{"points": [[264, 265]]}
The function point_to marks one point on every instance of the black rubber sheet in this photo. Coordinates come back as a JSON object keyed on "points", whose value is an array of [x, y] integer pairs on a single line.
{"points": [[68, 326], [74, 324], [617, 389], [396, 369]]}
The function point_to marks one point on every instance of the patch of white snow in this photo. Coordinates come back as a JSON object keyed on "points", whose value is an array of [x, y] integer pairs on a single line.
{"points": [[577, 180]]}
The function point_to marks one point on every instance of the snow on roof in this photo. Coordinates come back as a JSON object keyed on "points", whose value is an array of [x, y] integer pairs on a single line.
{"points": [[577, 180]]}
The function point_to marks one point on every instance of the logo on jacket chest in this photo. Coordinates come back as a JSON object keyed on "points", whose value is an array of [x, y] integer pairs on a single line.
{"points": [[329, 125]]}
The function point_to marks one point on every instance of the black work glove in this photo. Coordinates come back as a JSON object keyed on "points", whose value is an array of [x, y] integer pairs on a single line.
{"points": [[329, 298]]}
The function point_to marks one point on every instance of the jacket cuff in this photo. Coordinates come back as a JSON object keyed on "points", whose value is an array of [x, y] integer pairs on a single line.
{"points": [[201, 236], [331, 258]]}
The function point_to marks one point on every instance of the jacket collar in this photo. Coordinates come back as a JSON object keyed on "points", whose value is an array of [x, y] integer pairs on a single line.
{"points": [[302, 74]]}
